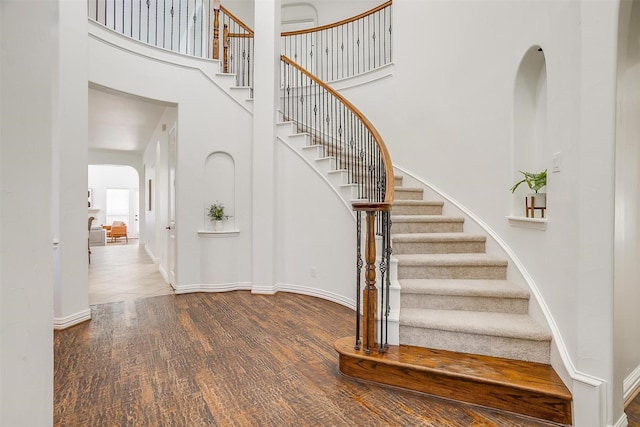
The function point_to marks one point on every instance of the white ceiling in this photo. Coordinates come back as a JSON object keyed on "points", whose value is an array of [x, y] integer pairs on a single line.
{"points": [[119, 121]]}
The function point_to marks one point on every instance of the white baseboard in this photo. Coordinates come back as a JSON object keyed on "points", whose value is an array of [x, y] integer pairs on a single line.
{"points": [[163, 273], [622, 421], [151, 255], [631, 385], [318, 293], [71, 320], [266, 290], [217, 287]]}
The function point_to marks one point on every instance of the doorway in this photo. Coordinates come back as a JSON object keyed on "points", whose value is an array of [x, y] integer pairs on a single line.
{"points": [[115, 193]]}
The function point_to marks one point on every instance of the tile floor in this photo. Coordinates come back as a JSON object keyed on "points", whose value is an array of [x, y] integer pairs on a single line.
{"points": [[121, 272]]}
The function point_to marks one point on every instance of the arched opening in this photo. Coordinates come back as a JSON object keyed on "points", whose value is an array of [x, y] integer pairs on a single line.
{"points": [[114, 191], [530, 145]]}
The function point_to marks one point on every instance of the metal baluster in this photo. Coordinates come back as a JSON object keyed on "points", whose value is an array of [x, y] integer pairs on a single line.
{"points": [[383, 273], [390, 35], [172, 16], [156, 25], [195, 18]]}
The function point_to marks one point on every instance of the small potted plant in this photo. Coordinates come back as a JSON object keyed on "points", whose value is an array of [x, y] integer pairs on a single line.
{"points": [[535, 182], [217, 215]]}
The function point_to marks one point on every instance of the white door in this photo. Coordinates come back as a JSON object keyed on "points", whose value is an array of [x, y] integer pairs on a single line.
{"points": [[171, 253]]}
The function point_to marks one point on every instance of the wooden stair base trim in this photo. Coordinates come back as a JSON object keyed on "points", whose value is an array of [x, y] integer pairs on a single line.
{"points": [[531, 389]]}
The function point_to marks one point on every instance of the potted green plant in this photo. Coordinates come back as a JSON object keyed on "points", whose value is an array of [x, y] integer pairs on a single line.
{"points": [[217, 215], [535, 182]]}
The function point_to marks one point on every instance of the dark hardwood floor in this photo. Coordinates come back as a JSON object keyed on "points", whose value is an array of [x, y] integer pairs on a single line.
{"points": [[633, 412], [230, 359]]}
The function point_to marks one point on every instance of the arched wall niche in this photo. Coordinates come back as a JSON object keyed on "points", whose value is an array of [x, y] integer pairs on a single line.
{"points": [[220, 184], [530, 142]]}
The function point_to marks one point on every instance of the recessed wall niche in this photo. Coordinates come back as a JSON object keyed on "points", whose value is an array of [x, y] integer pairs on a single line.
{"points": [[220, 183], [530, 143]]}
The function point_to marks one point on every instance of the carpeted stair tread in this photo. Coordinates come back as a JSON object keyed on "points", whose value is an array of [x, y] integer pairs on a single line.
{"points": [[437, 237], [417, 203], [463, 287], [472, 259], [520, 326], [425, 218]]}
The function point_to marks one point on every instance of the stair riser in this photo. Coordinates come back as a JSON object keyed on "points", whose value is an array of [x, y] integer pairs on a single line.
{"points": [[426, 227], [438, 247], [510, 348], [416, 210], [466, 303], [452, 272], [460, 388], [397, 181], [408, 194]]}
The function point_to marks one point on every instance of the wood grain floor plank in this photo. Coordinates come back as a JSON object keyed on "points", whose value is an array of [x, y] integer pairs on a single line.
{"points": [[230, 359]]}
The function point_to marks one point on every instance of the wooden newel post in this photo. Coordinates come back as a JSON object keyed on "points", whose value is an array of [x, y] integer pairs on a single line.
{"points": [[225, 47], [370, 292], [216, 34]]}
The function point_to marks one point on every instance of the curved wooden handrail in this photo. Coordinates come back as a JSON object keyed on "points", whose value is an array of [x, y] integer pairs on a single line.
{"points": [[386, 158], [238, 21], [339, 23]]}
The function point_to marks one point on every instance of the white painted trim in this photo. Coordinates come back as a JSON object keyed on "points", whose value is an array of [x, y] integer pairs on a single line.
{"points": [[164, 274], [363, 78], [151, 255], [267, 290], [318, 293], [595, 386], [631, 384], [208, 234], [532, 223], [71, 320], [622, 421], [210, 287]]}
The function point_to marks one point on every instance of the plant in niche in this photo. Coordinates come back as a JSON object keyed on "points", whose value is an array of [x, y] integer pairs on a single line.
{"points": [[216, 212], [535, 181]]}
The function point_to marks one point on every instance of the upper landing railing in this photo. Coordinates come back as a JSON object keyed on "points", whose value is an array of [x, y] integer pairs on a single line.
{"points": [[202, 28], [344, 49], [205, 28]]}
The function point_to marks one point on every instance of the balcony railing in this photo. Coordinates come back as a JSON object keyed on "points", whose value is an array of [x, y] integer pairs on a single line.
{"points": [[343, 49], [238, 48], [179, 25], [201, 28]]}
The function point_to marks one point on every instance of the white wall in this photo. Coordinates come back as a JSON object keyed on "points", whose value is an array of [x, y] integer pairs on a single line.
{"points": [[102, 177], [627, 237], [27, 111], [316, 239], [71, 302]]}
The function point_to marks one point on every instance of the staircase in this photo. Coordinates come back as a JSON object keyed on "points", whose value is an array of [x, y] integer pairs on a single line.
{"points": [[454, 296], [464, 329]]}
